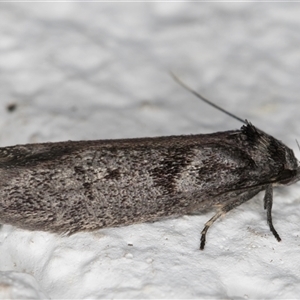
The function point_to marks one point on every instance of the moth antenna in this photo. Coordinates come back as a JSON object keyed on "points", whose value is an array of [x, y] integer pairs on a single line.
{"points": [[206, 100], [298, 144]]}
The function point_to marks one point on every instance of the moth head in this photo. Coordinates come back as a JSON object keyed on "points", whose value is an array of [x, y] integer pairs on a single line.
{"points": [[290, 170], [281, 158]]}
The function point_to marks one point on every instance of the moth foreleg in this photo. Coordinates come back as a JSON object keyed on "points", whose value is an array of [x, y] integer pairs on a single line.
{"points": [[206, 227], [268, 202], [237, 200]]}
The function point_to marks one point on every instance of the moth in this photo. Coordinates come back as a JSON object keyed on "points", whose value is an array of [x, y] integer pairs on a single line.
{"points": [[73, 186]]}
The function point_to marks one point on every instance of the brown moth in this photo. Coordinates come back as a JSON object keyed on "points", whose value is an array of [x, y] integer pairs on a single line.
{"points": [[73, 186]]}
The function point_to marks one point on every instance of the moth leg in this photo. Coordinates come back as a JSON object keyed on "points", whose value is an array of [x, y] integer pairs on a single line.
{"points": [[268, 202], [226, 208], [206, 227]]}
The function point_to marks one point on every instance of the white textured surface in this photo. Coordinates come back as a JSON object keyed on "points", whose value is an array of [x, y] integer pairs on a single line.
{"points": [[100, 70]]}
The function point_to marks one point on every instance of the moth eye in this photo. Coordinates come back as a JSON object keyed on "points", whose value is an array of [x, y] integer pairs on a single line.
{"points": [[286, 176]]}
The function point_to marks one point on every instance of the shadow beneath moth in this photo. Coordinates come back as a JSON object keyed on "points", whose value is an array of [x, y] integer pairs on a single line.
{"points": [[73, 186]]}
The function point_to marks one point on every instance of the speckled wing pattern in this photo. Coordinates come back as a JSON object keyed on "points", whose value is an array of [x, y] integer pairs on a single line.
{"points": [[75, 186]]}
